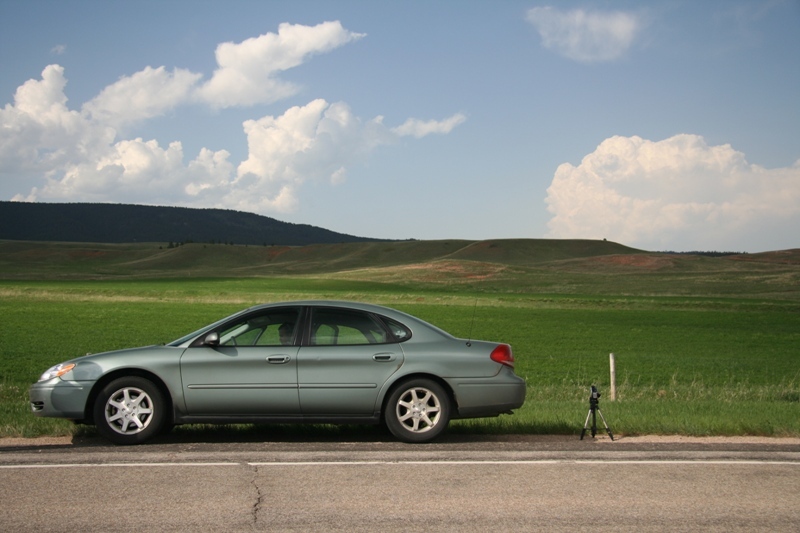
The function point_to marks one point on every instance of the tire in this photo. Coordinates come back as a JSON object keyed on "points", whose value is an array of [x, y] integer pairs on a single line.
{"points": [[129, 410], [417, 410]]}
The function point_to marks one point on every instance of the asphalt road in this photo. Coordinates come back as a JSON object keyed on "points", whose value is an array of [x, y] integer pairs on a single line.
{"points": [[462, 483]]}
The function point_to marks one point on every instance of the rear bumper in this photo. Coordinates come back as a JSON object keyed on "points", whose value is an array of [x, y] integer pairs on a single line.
{"points": [[60, 399], [479, 397]]}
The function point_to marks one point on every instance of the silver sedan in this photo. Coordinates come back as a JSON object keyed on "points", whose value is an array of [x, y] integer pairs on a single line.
{"points": [[305, 361]]}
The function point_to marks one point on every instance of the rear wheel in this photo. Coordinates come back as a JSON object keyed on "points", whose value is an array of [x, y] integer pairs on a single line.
{"points": [[418, 410], [129, 410]]}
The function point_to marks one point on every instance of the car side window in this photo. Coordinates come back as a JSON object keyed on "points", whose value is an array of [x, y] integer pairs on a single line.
{"points": [[400, 332], [274, 327], [332, 327]]}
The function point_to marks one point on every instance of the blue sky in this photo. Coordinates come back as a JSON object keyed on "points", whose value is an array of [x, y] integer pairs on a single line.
{"points": [[663, 125]]}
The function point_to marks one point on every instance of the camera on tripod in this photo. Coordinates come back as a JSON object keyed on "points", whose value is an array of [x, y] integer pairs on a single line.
{"points": [[594, 410]]}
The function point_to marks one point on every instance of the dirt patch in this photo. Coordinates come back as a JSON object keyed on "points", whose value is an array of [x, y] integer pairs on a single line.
{"points": [[642, 261], [786, 257], [38, 441]]}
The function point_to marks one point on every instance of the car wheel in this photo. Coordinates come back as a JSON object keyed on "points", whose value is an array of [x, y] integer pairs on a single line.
{"points": [[418, 410], [129, 410]]}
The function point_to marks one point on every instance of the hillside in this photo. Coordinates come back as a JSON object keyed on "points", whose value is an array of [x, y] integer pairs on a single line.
{"points": [[514, 266], [120, 223], [43, 260]]}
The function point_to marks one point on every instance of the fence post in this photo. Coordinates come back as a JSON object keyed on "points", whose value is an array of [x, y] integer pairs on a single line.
{"points": [[612, 363]]}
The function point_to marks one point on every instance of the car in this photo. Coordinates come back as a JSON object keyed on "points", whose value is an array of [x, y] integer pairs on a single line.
{"points": [[303, 361]]}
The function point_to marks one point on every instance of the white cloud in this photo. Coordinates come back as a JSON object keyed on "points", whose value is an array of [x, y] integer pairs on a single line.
{"points": [[137, 170], [585, 36], [421, 128], [247, 70], [312, 142], [39, 134], [51, 152], [675, 194], [146, 94], [247, 75]]}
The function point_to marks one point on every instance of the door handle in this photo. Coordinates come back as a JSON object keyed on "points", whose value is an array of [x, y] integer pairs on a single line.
{"points": [[383, 357], [278, 359]]}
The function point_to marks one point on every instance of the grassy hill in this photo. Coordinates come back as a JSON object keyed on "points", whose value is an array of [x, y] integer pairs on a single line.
{"points": [[518, 266], [42, 260]]}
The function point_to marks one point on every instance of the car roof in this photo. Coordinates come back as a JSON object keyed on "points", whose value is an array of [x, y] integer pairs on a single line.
{"points": [[405, 318], [328, 303]]}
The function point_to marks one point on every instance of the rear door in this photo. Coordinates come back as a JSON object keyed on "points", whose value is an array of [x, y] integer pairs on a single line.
{"points": [[345, 360]]}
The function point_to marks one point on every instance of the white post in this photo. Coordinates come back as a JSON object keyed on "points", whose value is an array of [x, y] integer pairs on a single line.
{"points": [[612, 363]]}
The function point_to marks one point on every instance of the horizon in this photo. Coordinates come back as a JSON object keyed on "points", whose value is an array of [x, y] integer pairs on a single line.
{"points": [[367, 238]]}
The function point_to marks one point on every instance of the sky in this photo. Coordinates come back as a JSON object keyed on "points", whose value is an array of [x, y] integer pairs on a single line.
{"points": [[659, 124]]}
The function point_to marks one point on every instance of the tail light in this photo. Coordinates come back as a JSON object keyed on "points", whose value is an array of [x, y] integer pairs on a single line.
{"points": [[502, 354]]}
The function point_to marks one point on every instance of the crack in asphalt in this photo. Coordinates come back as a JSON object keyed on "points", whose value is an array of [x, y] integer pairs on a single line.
{"points": [[259, 496]]}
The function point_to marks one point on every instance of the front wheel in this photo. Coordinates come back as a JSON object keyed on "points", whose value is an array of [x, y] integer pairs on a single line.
{"points": [[418, 410], [129, 410]]}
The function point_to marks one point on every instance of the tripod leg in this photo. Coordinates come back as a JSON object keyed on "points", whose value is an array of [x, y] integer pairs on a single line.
{"points": [[586, 424], [594, 422], [608, 430]]}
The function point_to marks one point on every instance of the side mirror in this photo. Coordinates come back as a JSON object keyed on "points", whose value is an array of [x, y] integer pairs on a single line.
{"points": [[212, 339]]}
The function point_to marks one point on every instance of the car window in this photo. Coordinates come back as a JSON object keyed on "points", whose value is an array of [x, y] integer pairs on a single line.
{"points": [[331, 327], [400, 332], [274, 327]]}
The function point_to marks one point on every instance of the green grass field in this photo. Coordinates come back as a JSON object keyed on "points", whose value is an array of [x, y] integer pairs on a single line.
{"points": [[703, 347], [699, 367]]}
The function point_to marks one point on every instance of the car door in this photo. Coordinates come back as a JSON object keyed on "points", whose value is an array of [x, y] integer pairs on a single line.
{"points": [[343, 363], [249, 369]]}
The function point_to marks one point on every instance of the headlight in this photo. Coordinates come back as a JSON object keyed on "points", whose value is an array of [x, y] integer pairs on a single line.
{"points": [[56, 371]]}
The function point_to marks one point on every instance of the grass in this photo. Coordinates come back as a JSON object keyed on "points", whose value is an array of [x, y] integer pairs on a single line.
{"points": [[691, 365], [524, 266]]}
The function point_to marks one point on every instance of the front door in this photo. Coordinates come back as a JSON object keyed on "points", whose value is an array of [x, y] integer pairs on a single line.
{"points": [[253, 370]]}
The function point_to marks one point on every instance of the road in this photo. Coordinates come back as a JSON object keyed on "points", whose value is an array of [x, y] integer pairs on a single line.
{"points": [[462, 483]]}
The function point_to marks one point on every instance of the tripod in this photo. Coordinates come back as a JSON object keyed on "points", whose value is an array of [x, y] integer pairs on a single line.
{"points": [[594, 410]]}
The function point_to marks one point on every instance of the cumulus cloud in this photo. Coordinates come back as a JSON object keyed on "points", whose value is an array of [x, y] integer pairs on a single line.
{"points": [[146, 94], [246, 75], [49, 151], [585, 36], [39, 134], [247, 70], [420, 128], [137, 170], [317, 141], [311, 142], [675, 194]]}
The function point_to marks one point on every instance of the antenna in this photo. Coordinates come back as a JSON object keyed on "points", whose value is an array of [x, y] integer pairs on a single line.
{"points": [[472, 324]]}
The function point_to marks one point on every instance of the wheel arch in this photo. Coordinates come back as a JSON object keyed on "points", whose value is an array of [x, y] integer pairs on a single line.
{"points": [[451, 396], [128, 372]]}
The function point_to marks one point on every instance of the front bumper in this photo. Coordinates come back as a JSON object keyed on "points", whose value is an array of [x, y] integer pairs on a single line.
{"points": [[60, 399]]}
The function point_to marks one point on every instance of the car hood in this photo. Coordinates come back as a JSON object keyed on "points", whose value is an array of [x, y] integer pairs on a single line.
{"points": [[91, 367]]}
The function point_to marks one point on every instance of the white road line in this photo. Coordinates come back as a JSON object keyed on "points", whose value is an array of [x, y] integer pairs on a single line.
{"points": [[529, 462], [114, 465], [543, 462]]}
